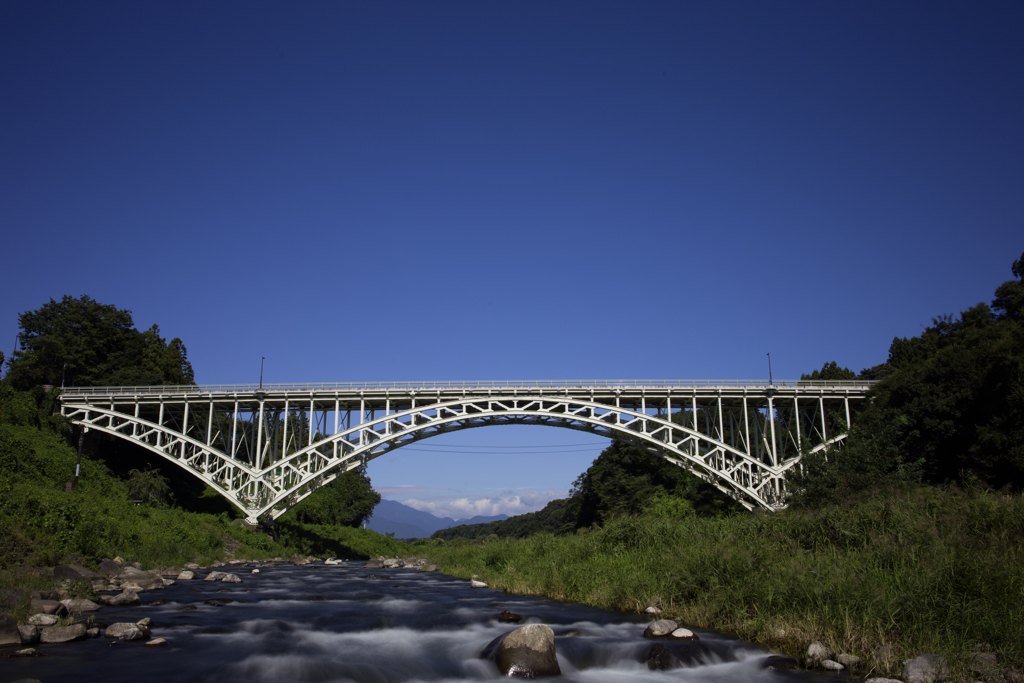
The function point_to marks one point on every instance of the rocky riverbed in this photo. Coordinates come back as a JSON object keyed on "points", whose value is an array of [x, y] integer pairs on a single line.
{"points": [[377, 622]]}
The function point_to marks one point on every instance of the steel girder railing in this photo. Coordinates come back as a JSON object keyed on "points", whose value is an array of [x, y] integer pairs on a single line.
{"points": [[267, 449]]}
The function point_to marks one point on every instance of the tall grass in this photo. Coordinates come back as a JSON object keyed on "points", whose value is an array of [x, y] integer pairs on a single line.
{"points": [[922, 570]]}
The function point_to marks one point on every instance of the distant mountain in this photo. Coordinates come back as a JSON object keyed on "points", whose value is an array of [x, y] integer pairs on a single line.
{"points": [[390, 516]]}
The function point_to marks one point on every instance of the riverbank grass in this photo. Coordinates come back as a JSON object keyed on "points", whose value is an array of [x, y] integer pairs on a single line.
{"points": [[922, 570]]}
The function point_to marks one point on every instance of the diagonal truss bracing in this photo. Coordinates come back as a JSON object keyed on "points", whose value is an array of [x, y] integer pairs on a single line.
{"points": [[265, 449]]}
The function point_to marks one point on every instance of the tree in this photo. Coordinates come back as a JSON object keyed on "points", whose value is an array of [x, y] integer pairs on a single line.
{"points": [[80, 342], [1010, 295], [347, 501], [949, 406], [627, 479], [830, 372]]}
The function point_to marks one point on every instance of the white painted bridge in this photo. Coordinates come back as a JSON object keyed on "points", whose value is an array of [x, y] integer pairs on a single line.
{"points": [[267, 447]]}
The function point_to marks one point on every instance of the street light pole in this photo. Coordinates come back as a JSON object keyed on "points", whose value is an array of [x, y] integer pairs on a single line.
{"points": [[771, 382], [262, 358]]}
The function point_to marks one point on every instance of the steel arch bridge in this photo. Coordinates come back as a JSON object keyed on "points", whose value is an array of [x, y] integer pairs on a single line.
{"points": [[265, 448]]}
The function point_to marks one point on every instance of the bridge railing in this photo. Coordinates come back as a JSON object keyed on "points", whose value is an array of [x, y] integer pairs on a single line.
{"points": [[495, 384]]}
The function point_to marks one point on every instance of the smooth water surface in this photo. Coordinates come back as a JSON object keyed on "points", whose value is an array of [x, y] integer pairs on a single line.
{"points": [[339, 623]]}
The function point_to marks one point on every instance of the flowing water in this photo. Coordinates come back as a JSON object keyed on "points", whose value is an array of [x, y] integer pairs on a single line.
{"points": [[340, 623]]}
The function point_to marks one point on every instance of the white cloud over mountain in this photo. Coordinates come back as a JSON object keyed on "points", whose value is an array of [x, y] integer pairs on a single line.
{"points": [[470, 506]]}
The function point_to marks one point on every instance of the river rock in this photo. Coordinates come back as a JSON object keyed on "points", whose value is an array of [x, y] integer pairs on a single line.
{"points": [[43, 619], [62, 634], [171, 572], [144, 580], [9, 633], [29, 634], [231, 578], [660, 628], [927, 668], [126, 599], [374, 564], [186, 575], [47, 607], [255, 571], [392, 563], [297, 560], [109, 568], [169, 582], [660, 658], [215, 576], [74, 572], [507, 617], [528, 652], [849, 661], [126, 631], [145, 622], [818, 652], [477, 584], [831, 665], [93, 632], [27, 652], [216, 563], [652, 610], [191, 565], [683, 634], [156, 642], [80, 605]]}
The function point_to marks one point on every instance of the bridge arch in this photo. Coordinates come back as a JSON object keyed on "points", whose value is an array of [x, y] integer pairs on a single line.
{"points": [[745, 460]]}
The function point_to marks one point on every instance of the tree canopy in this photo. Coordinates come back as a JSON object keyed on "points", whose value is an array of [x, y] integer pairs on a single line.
{"points": [[81, 342], [347, 501], [949, 406]]}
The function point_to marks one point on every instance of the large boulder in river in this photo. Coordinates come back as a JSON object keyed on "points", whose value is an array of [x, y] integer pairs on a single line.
{"points": [[144, 580], [62, 634], [125, 599], [528, 652], [29, 634], [215, 576], [374, 564], [80, 605], [9, 634], [186, 575], [126, 631], [47, 607], [662, 628]]}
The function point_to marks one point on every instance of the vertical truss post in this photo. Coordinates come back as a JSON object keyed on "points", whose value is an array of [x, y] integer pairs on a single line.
{"points": [[284, 437], [746, 425], [771, 422], [337, 416], [234, 431], [362, 415], [796, 412], [160, 421], [135, 424], [209, 424], [312, 419], [184, 430], [258, 464], [821, 405]]}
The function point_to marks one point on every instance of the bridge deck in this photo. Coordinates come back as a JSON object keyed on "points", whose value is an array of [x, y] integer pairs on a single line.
{"points": [[476, 388]]}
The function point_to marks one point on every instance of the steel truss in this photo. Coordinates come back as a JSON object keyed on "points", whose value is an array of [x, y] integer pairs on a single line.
{"points": [[266, 449]]}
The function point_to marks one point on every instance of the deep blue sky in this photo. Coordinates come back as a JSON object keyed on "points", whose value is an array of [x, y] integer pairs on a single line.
{"points": [[420, 191]]}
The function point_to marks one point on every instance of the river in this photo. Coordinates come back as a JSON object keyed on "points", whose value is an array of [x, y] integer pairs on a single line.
{"points": [[339, 623]]}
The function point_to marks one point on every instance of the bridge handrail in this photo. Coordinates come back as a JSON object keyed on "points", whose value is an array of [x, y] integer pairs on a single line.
{"points": [[499, 384]]}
